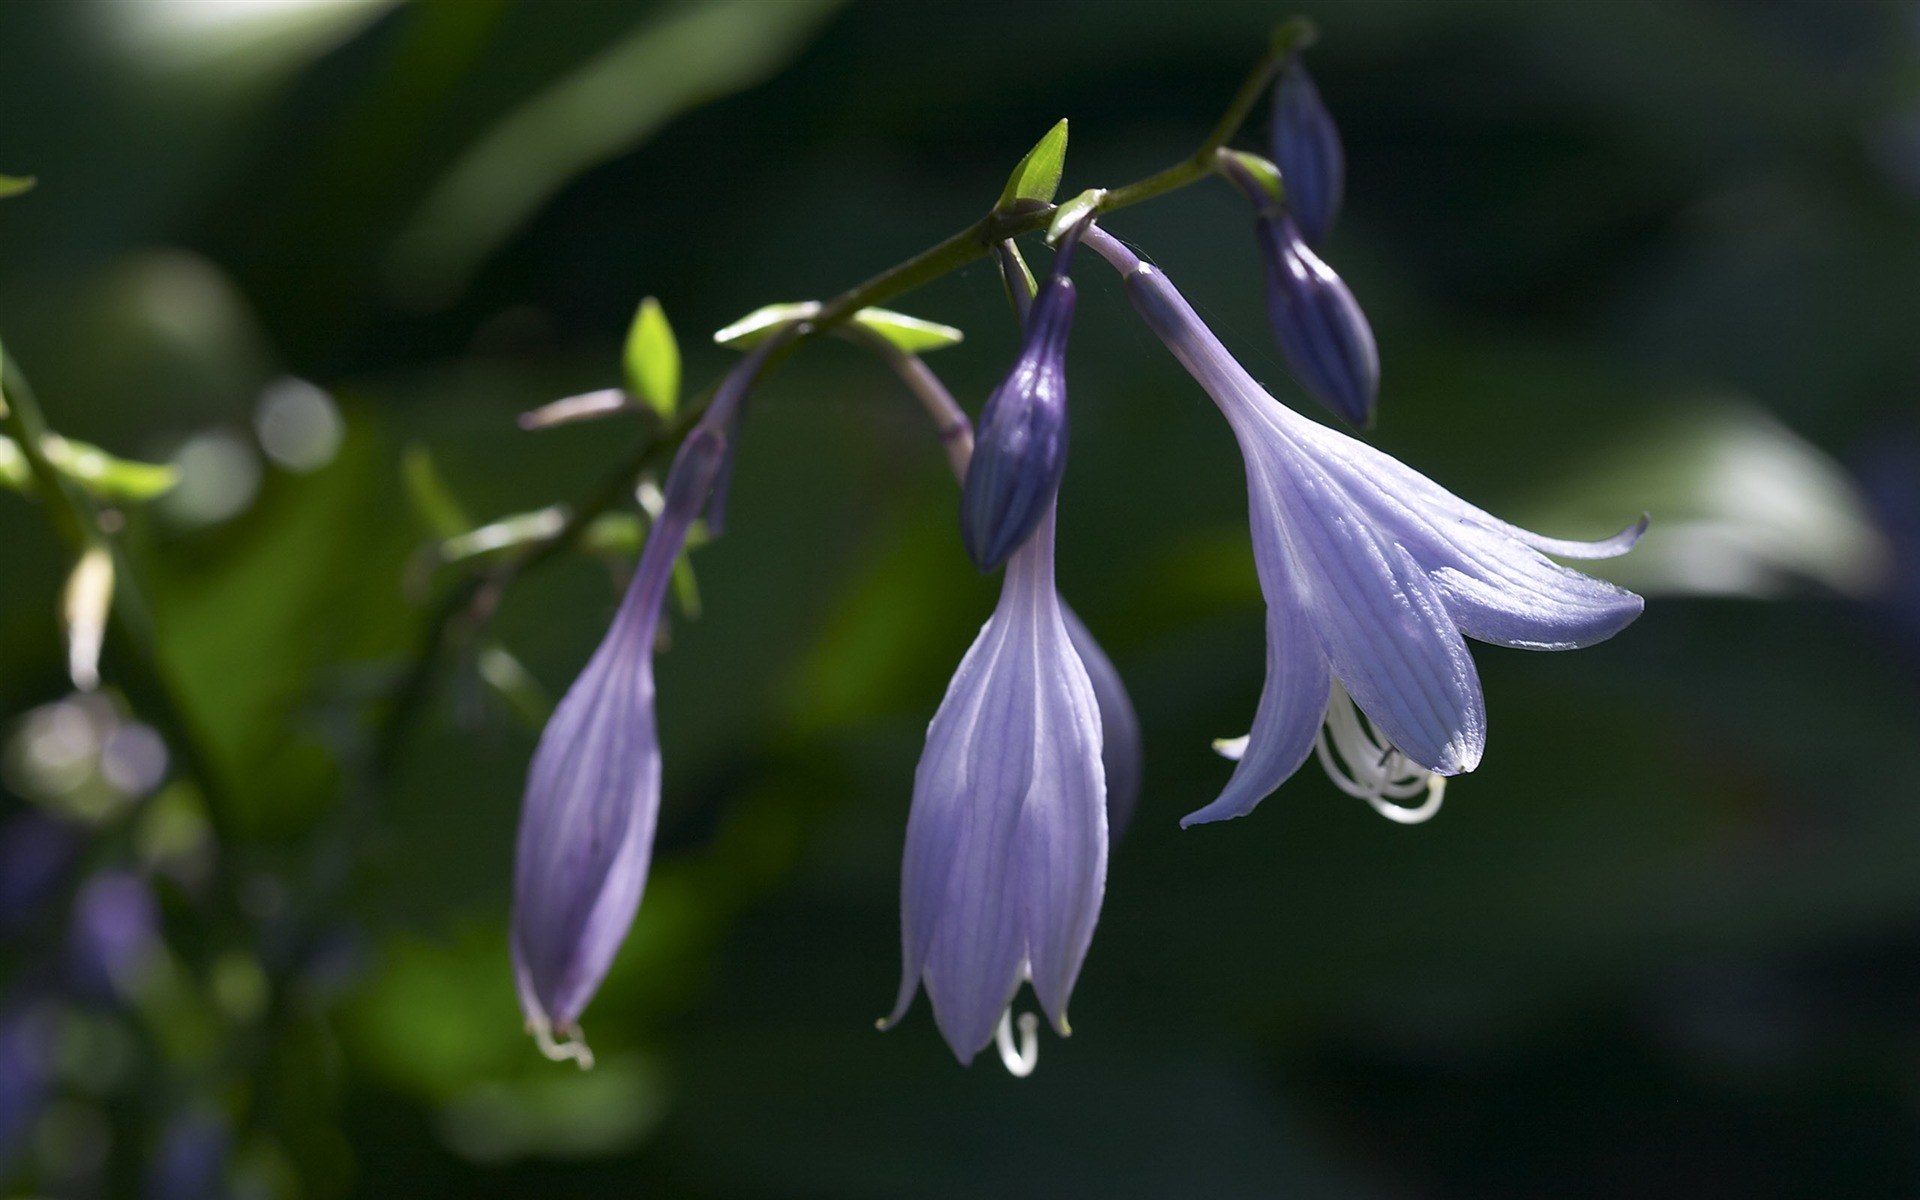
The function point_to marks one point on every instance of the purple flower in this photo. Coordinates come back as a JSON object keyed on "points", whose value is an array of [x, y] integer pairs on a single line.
{"points": [[116, 933], [593, 791], [1006, 855], [1306, 148], [1322, 333], [1020, 446], [1372, 575], [1120, 749]]}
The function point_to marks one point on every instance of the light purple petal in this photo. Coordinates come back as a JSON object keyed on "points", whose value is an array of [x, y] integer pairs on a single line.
{"points": [[1006, 851], [1120, 748], [1389, 568], [1293, 701], [586, 829]]}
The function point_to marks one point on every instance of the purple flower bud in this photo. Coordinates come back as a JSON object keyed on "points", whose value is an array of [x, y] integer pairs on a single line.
{"points": [[1006, 856], [593, 791], [1020, 443], [1306, 148], [1322, 333]]}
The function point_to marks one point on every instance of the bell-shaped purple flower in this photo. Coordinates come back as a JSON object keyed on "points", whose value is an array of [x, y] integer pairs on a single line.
{"points": [[1373, 576], [593, 791], [1306, 148], [1323, 335], [1121, 754], [1020, 444], [1006, 855]]}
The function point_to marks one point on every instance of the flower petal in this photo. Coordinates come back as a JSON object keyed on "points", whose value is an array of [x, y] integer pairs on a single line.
{"points": [[1006, 849], [1381, 621], [1292, 703], [1120, 749], [586, 829]]}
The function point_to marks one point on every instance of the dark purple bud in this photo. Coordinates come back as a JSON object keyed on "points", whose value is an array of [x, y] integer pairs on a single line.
{"points": [[1306, 148], [1020, 443], [1321, 330], [116, 931]]}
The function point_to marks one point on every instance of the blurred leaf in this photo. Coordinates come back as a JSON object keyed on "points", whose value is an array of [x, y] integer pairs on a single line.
{"points": [[742, 334], [432, 499], [588, 406], [910, 334], [571, 1114], [508, 533], [14, 471], [1037, 176], [14, 185], [676, 62], [686, 588], [653, 359], [1740, 505], [614, 533], [105, 476], [505, 674]]}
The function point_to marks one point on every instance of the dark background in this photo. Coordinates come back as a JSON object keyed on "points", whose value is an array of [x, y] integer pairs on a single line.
{"points": [[1619, 256]]}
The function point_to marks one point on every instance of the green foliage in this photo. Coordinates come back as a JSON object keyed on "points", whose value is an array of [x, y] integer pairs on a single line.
{"points": [[909, 334], [652, 360], [16, 185], [745, 333], [1036, 177]]}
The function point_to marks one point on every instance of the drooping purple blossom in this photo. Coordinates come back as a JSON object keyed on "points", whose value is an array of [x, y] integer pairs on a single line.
{"points": [[1325, 338], [1006, 853], [1120, 750], [1020, 444], [593, 791], [1306, 148], [1373, 575]]}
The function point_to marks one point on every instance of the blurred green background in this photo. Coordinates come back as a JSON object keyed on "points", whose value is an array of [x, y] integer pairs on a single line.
{"points": [[1619, 256]]}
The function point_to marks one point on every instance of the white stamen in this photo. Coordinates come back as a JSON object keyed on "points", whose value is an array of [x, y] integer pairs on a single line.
{"points": [[1019, 1062], [1375, 770], [1231, 749], [574, 1047]]}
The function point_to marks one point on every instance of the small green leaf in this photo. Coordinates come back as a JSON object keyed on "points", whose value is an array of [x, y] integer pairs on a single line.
{"points": [[1073, 212], [432, 499], [14, 185], [613, 533], [653, 359], [742, 334], [686, 589], [104, 475], [910, 334], [1037, 177], [14, 472]]}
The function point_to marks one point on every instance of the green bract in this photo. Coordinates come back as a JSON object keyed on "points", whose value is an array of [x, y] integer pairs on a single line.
{"points": [[653, 359], [1037, 176]]}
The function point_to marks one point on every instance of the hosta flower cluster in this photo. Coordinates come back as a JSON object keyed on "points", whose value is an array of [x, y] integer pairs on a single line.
{"points": [[1375, 577]]}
